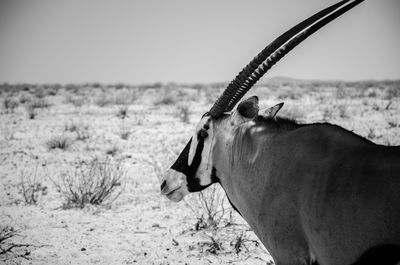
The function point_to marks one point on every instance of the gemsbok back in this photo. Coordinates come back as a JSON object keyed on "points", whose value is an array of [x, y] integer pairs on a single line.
{"points": [[312, 193]]}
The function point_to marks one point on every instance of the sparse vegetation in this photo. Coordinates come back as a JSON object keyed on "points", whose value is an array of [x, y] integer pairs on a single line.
{"points": [[165, 98], [30, 111], [80, 128], [183, 113], [342, 108], [112, 150], [156, 126], [94, 182], [208, 206], [102, 100], [30, 186], [122, 112], [10, 250], [10, 104], [62, 142], [39, 104], [77, 101], [124, 132]]}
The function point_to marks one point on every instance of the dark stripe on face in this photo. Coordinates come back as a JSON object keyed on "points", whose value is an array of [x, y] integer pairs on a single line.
{"points": [[181, 165]]}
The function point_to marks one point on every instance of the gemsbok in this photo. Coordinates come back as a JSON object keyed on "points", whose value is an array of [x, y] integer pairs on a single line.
{"points": [[312, 193]]}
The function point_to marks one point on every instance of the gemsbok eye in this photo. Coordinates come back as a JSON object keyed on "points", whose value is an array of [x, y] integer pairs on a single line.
{"points": [[203, 133]]}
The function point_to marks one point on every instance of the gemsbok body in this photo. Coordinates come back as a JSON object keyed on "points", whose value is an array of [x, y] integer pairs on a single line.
{"points": [[312, 193]]}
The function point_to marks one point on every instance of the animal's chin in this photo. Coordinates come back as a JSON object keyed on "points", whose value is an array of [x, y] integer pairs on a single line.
{"points": [[175, 195]]}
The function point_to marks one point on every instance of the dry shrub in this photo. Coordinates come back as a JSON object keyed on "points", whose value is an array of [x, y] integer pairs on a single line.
{"points": [[122, 112], [165, 97], [392, 92], [30, 186], [39, 103], [39, 92], [209, 207], [125, 97], [30, 111], [183, 112], [8, 249], [95, 182], [79, 127], [25, 98], [342, 108], [214, 246], [62, 142], [10, 104], [124, 132], [77, 101], [103, 100], [112, 150]]}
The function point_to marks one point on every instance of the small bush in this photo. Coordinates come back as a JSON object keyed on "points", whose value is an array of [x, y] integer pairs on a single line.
{"points": [[183, 113], [122, 112], [208, 207], [95, 182], [25, 98], [392, 92], [125, 97], [39, 104], [80, 128], [10, 104], [124, 132], [9, 250], [342, 111], [112, 150], [30, 111], [39, 92], [214, 245], [30, 186], [102, 100], [75, 100], [165, 98], [58, 142]]}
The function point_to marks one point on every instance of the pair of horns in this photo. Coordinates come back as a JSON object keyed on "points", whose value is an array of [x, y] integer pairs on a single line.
{"points": [[273, 53], [263, 62]]}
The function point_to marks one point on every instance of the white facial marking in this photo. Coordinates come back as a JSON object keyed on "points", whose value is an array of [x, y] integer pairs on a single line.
{"points": [[193, 145]]}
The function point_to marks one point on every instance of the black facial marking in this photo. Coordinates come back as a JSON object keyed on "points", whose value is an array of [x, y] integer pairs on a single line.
{"points": [[214, 177], [181, 165]]}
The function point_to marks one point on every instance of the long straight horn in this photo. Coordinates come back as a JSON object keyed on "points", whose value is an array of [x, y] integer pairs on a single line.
{"points": [[273, 53]]}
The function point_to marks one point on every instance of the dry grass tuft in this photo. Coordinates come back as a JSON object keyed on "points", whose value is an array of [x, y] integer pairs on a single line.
{"points": [[30, 186], [80, 128], [39, 103], [208, 207], [165, 98], [122, 112], [62, 142], [10, 104]]}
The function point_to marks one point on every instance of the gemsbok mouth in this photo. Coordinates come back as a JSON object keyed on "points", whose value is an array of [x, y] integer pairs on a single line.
{"points": [[166, 191], [175, 194]]}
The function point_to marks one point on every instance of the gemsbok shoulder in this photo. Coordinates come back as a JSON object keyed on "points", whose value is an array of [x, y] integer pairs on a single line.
{"points": [[312, 193]]}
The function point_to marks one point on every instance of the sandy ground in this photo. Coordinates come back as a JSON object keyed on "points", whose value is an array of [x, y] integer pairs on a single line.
{"points": [[140, 226]]}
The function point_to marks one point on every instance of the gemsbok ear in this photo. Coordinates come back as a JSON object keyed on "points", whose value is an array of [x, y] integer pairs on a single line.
{"points": [[271, 112], [246, 111]]}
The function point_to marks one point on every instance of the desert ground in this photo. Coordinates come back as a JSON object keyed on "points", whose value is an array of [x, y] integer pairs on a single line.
{"points": [[80, 168]]}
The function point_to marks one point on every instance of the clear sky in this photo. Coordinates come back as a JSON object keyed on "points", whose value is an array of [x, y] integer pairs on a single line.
{"points": [[189, 41]]}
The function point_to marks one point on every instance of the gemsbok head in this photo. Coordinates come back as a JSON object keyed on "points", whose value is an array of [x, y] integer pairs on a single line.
{"points": [[312, 193]]}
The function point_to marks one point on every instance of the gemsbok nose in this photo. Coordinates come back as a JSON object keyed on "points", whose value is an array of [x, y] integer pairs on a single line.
{"points": [[163, 184]]}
